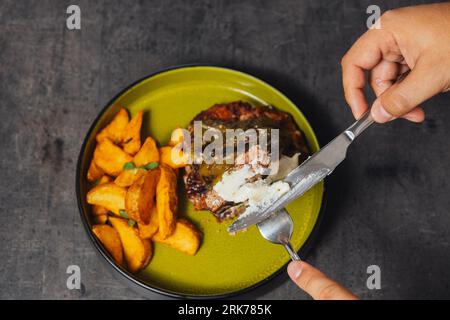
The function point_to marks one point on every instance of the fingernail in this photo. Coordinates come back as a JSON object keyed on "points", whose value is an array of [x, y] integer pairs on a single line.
{"points": [[379, 114], [295, 269]]}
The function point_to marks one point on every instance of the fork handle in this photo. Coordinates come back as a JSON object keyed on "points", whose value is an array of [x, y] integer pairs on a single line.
{"points": [[291, 251]]}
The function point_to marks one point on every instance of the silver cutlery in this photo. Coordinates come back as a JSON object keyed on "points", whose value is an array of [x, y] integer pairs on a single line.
{"points": [[309, 173], [278, 229]]}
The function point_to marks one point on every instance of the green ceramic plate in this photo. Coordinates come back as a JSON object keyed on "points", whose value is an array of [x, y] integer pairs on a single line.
{"points": [[225, 264]]}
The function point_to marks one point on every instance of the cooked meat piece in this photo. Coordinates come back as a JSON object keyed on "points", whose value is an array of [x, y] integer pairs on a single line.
{"points": [[200, 178]]}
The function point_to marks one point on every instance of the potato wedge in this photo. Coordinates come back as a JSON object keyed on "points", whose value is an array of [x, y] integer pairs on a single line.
{"points": [[173, 157], [148, 153], [115, 129], [110, 158], [100, 219], [140, 198], [104, 179], [147, 231], [94, 172], [108, 195], [176, 137], [110, 239], [186, 238], [127, 177], [137, 251], [132, 134], [99, 210], [166, 200]]}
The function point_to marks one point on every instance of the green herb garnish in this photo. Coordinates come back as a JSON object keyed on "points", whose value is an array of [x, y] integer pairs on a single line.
{"points": [[131, 222], [123, 213], [129, 166], [151, 165]]}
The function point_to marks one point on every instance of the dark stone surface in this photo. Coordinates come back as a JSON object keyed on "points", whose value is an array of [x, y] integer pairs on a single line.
{"points": [[388, 203]]}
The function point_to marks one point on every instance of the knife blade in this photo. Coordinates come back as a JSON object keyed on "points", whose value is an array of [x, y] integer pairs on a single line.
{"points": [[308, 174]]}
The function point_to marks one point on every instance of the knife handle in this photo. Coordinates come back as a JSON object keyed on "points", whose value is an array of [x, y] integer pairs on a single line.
{"points": [[359, 126]]}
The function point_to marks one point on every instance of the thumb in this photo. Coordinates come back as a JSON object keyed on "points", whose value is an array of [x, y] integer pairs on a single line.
{"points": [[404, 96], [317, 284]]}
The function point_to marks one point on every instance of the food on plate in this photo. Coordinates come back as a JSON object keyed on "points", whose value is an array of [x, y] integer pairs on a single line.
{"points": [[115, 129], [140, 198], [110, 157], [100, 219], [100, 211], [149, 153], [94, 172], [108, 195], [185, 238], [137, 183], [132, 134], [109, 237], [127, 177], [228, 190], [173, 157], [147, 231], [166, 200], [137, 251], [176, 137]]}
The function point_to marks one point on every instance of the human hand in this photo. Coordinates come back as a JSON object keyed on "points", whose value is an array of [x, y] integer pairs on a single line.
{"points": [[316, 284], [412, 39]]}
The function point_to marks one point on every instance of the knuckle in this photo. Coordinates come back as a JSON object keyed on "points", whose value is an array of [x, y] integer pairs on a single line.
{"points": [[388, 16]]}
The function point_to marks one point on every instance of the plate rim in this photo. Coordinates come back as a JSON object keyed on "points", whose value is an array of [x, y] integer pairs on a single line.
{"points": [[131, 278]]}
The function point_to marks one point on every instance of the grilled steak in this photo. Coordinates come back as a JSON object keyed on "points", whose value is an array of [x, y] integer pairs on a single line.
{"points": [[200, 178]]}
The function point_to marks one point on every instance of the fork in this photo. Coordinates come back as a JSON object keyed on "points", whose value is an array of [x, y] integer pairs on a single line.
{"points": [[278, 229]]}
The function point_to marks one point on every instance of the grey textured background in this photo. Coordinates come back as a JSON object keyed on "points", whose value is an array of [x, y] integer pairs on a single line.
{"points": [[388, 203]]}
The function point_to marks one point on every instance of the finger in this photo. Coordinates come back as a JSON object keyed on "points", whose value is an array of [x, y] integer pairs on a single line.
{"points": [[383, 75], [365, 54], [419, 85], [415, 115], [316, 284]]}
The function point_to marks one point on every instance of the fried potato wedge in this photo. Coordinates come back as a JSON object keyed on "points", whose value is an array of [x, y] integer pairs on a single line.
{"points": [[100, 211], [147, 231], [176, 137], [94, 172], [108, 195], [115, 129], [132, 134], [100, 219], [110, 158], [166, 200], [110, 239], [104, 179], [173, 157], [148, 153], [137, 251], [140, 198], [127, 177], [185, 238]]}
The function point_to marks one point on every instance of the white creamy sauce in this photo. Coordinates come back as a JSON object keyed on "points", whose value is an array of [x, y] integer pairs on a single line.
{"points": [[234, 187]]}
